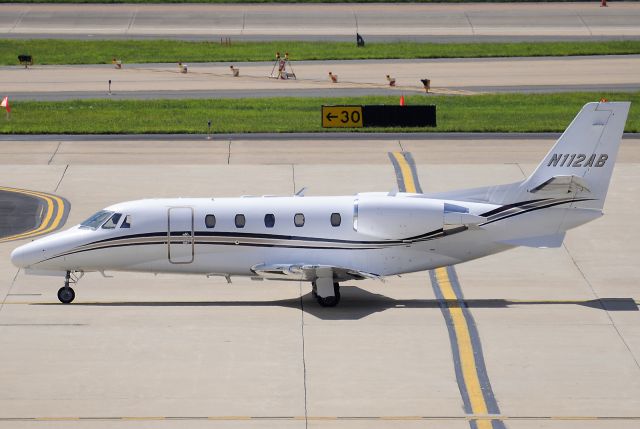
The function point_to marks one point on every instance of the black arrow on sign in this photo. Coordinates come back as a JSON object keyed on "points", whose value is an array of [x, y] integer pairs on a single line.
{"points": [[330, 116]]}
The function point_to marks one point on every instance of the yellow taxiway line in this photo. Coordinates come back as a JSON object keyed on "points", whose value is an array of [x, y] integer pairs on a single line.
{"points": [[55, 210], [465, 349]]}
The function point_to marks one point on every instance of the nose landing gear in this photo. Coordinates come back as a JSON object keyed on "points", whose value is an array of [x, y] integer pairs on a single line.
{"points": [[66, 294]]}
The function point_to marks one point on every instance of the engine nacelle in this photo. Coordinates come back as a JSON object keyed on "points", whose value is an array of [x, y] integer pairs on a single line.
{"points": [[397, 217]]}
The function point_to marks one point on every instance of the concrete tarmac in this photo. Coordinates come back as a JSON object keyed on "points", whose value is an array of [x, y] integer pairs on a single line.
{"points": [[441, 22], [448, 76], [560, 328]]}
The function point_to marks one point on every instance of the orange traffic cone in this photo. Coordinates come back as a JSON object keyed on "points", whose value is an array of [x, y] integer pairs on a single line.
{"points": [[603, 3], [402, 100]]}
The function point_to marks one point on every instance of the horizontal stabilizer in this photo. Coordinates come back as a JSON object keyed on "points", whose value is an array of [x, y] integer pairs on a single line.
{"points": [[541, 242], [562, 185]]}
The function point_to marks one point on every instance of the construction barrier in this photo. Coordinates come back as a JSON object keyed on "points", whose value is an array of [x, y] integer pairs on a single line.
{"points": [[282, 68]]}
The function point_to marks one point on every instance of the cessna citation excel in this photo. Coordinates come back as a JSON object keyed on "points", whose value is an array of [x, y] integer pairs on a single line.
{"points": [[328, 240]]}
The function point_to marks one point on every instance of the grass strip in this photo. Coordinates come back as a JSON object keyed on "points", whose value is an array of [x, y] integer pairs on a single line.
{"points": [[478, 113], [56, 51]]}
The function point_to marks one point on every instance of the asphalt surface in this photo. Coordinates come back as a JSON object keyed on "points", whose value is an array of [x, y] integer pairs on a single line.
{"points": [[197, 94], [556, 330], [297, 148], [359, 77], [435, 22], [18, 213], [329, 136], [237, 94]]}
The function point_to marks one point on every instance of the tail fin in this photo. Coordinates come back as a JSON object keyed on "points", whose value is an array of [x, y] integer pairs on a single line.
{"points": [[580, 164]]}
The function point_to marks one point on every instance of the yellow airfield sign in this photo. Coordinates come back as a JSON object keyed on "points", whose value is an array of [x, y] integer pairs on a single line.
{"points": [[341, 116]]}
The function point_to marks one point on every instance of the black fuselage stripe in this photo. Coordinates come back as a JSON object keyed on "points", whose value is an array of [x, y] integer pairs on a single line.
{"points": [[511, 206], [241, 236], [524, 207], [557, 203]]}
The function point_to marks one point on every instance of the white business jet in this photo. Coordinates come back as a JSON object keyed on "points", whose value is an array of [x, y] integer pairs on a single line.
{"points": [[328, 240]]}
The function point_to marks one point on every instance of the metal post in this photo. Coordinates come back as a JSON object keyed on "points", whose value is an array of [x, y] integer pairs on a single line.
{"points": [[209, 127], [109, 86]]}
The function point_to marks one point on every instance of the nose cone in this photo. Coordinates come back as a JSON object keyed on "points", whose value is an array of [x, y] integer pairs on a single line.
{"points": [[26, 255]]}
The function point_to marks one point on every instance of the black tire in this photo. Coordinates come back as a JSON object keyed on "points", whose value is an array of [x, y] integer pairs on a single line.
{"points": [[66, 295], [330, 301]]}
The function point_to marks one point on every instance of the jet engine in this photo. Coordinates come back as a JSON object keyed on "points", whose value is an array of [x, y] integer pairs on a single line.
{"points": [[397, 217]]}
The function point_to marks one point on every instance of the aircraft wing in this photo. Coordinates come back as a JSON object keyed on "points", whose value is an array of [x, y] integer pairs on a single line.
{"points": [[308, 272]]}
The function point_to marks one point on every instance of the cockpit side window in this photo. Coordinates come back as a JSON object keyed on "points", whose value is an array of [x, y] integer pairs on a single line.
{"points": [[96, 220], [126, 223], [112, 222]]}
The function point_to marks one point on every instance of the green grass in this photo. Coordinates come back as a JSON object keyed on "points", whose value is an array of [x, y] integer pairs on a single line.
{"points": [[146, 51], [480, 113]]}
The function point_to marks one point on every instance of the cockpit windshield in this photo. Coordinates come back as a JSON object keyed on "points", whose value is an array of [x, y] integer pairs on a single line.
{"points": [[112, 222], [96, 220]]}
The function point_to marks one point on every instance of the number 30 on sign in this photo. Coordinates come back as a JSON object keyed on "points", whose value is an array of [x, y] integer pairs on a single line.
{"points": [[341, 116]]}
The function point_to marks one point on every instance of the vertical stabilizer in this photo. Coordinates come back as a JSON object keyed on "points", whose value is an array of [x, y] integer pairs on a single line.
{"points": [[581, 162]]}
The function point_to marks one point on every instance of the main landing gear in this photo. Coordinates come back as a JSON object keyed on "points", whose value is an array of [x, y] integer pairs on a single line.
{"points": [[66, 294], [326, 292]]}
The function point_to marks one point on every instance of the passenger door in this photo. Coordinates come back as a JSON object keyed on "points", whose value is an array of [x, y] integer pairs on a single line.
{"points": [[180, 235]]}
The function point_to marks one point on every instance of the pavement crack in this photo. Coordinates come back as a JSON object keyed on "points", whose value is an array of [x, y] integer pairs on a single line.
{"points": [[602, 306], [54, 153], [585, 24], [400, 144], [355, 17], [13, 282], [304, 360], [61, 177], [229, 153], [293, 177], [19, 20], [133, 18], [473, 30]]}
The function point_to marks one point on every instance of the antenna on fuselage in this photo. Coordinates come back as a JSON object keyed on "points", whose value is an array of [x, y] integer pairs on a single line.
{"points": [[301, 192]]}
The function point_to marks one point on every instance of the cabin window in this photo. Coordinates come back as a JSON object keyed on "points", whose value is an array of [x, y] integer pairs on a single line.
{"points": [[112, 222], [335, 219], [240, 221], [126, 223], [210, 221], [298, 219], [269, 220], [97, 219]]}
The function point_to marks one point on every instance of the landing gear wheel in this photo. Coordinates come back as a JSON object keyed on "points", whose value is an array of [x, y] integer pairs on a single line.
{"points": [[314, 290], [66, 294], [330, 301]]}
